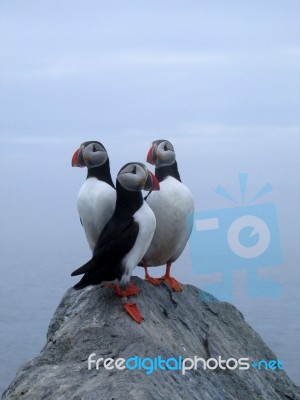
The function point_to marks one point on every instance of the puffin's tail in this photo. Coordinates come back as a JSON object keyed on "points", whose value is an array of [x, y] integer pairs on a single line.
{"points": [[81, 284], [88, 267], [94, 274], [86, 279]]}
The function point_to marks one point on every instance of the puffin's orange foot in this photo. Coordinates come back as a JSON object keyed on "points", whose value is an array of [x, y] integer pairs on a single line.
{"points": [[154, 281], [132, 290], [172, 282], [134, 312]]}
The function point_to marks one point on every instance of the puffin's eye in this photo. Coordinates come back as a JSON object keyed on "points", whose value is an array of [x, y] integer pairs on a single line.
{"points": [[94, 148], [165, 147], [134, 170]]}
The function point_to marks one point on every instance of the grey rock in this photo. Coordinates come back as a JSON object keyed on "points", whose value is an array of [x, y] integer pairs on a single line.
{"points": [[187, 324]]}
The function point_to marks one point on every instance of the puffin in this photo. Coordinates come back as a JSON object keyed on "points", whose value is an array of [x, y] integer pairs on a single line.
{"points": [[97, 196], [173, 206], [126, 237]]}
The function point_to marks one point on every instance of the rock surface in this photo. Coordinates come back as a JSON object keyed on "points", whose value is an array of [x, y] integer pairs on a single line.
{"points": [[176, 324]]}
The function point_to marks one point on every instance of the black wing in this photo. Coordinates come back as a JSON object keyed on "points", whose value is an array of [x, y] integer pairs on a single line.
{"points": [[115, 241]]}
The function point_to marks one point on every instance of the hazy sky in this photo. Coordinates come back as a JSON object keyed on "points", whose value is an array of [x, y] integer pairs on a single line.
{"points": [[220, 79], [80, 68]]}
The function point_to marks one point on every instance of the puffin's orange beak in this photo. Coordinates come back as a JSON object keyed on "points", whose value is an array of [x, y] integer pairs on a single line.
{"points": [[150, 155], [77, 159], [152, 182]]}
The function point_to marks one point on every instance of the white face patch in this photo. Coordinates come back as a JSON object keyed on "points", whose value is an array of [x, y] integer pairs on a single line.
{"points": [[94, 155], [133, 177], [165, 154]]}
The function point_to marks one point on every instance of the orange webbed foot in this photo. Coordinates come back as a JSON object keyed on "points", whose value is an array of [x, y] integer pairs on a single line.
{"points": [[154, 281], [170, 281], [134, 312], [132, 290], [148, 278]]}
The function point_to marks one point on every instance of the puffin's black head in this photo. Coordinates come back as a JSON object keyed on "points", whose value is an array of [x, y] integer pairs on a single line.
{"points": [[161, 153], [90, 154], [135, 176]]}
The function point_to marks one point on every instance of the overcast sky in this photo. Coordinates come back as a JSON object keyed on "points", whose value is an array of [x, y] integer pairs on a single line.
{"points": [[220, 79], [77, 68]]}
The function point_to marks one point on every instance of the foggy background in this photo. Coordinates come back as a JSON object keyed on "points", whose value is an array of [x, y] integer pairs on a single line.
{"points": [[219, 80]]}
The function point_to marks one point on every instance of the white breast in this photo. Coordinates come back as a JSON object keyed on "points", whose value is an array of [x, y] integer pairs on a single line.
{"points": [[147, 222], [95, 203], [173, 207]]}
